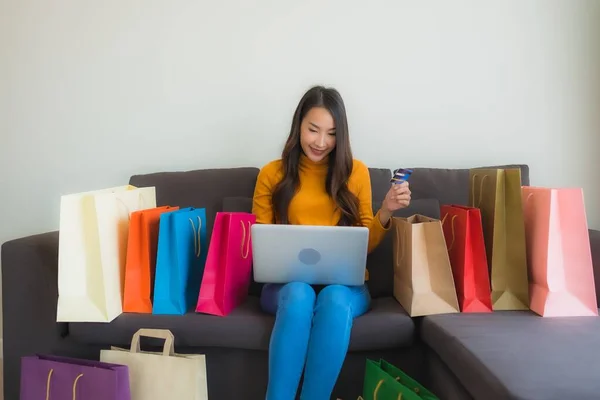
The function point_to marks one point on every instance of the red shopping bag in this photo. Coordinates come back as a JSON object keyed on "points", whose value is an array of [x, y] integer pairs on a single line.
{"points": [[228, 270], [559, 255], [465, 242]]}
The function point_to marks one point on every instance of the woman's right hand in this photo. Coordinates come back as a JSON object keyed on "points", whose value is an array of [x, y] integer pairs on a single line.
{"points": [[397, 197]]}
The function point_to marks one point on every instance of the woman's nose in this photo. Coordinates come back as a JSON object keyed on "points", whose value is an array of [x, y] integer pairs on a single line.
{"points": [[321, 140]]}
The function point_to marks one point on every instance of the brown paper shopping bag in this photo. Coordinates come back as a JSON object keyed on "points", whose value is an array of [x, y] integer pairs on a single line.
{"points": [[497, 193], [423, 281]]}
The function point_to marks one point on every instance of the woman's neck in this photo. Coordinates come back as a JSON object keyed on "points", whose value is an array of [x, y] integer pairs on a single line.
{"points": [[308, 164]]}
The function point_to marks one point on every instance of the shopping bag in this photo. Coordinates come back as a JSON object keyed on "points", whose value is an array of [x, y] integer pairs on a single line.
{"points": [[423, 281], [497, 193], [466, 249], [180, 260], [94, 227], [383, 381], [46, 377], [228, 271], [141, 259], [160, 376], [561, 275]]}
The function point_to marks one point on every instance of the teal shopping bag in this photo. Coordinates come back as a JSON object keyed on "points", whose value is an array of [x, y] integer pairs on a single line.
{"points": [[180, 260], [383, 381]]}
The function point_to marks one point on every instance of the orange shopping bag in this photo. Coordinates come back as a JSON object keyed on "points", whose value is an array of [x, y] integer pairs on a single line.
{"points": [[559, 257], [141, 259]]}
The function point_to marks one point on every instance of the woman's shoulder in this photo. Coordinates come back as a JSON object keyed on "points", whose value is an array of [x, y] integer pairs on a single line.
{"points": [[359, 175], [271, 170], [359, 169], [272, 166]]}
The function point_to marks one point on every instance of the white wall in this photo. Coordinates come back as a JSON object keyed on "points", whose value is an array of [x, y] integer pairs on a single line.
{"points": [[86, 84]]}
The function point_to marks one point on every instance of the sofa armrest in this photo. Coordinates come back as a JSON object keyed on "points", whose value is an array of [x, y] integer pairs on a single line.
{"points": [[595, 246], [29, 297]]}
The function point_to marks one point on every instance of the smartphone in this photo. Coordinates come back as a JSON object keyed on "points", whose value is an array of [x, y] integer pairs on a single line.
{"points": [[401, 175]]}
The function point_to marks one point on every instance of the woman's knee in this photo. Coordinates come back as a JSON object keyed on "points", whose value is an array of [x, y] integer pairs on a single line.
{"points": [[297, 296], [335, 295], [355, 300]]}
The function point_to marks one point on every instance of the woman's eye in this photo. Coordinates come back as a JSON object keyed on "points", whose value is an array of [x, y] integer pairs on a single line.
{"points": [[313, 130]]}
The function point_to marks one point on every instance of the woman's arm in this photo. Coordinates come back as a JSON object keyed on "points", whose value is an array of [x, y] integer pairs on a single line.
{"points": [[262, 204], [378, 224]]}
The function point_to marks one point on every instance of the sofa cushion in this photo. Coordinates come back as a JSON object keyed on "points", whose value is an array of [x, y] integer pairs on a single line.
{"points": [[380, 261], [386, 325], [519, 355], [201, 188], [450, 186]]}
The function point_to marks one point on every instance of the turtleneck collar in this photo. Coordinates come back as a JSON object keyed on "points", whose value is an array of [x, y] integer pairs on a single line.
{"points": [[308, 164]]}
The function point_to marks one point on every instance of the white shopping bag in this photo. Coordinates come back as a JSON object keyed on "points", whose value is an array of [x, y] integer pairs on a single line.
{"points": [[92, 249], [160, 376]]}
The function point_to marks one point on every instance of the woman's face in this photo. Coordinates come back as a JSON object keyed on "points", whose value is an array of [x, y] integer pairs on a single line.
{"points": [[317, 134]]}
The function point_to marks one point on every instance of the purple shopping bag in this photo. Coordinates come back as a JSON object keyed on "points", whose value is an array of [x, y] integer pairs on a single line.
{"points": [[45, 377]]}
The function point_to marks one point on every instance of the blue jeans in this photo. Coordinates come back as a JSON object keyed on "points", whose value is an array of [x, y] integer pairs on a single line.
{"points": [[312, 327]]}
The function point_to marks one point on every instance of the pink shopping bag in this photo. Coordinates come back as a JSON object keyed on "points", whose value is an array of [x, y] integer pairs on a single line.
{"points": [[228, 269], [561, 277]]}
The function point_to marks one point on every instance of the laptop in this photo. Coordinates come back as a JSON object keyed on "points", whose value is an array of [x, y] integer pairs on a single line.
{"points": [[317, 255]]}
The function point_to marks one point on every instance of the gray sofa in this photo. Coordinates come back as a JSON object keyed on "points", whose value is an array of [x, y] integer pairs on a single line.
{"points": [[505, 355]]}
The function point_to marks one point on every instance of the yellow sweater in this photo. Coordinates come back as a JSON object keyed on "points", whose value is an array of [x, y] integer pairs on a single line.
{"points": [[312, 205]]}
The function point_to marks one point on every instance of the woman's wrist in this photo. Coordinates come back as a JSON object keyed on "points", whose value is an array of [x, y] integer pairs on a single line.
{"points": [[384, 216]]}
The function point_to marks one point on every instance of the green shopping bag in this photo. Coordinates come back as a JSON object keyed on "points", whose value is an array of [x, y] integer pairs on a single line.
{"points": [[383, 381]]}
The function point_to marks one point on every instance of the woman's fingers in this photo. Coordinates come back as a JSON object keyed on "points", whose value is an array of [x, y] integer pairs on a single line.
{"points": [[401, 190], [403, 197]]}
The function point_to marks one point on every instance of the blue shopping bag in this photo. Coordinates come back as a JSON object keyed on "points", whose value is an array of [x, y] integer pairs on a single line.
{"points": [[180, 260]]}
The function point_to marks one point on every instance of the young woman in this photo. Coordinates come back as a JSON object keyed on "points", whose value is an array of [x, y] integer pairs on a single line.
{"points": [[317, 182]]}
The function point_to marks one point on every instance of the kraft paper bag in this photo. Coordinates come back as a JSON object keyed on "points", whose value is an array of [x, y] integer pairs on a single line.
{"points": [[561, 282], [423, 280], [94, 228], [47, 377], [497, 193], [384, 381], [180, 261], [228, 270], [466, 248], [160, 376], [140, 266]]}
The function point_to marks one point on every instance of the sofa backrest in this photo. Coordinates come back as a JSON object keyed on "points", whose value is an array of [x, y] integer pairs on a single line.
{"points": [[231, 189], [450, 186], [430, 188], [200, 189]]}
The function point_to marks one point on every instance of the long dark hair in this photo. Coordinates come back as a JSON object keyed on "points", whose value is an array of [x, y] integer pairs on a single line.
{"points": [[340, 159]]}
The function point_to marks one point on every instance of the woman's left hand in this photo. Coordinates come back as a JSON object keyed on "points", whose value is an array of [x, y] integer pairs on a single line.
{"points": [[396, 198]]}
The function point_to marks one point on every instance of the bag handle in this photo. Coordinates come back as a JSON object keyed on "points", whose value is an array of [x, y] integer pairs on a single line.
{"points": [[140, 201], [400, 245], [168, 348], [48, 385], [244, 234], [377, 390], [480, 189], [453, 236], [75, 386], [529, 196], [197, 244]]}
